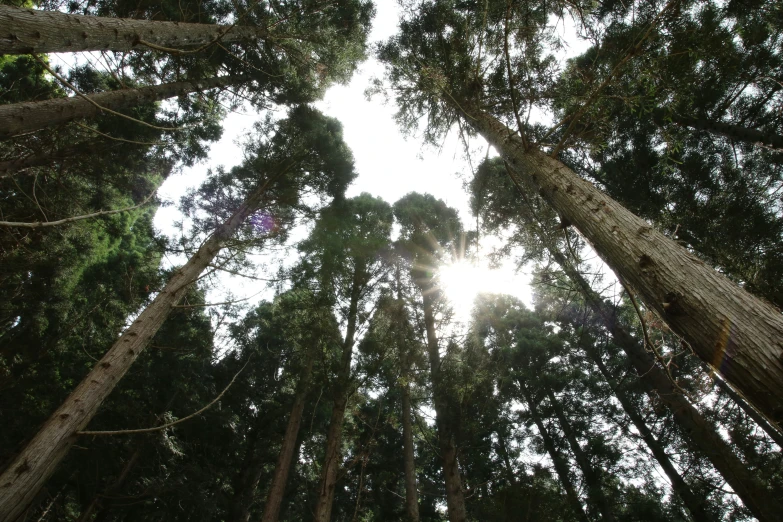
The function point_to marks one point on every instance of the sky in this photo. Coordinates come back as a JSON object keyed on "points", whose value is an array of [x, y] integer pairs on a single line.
{"points": [[389, 166]]}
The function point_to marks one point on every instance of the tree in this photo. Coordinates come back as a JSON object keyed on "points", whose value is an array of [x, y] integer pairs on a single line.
{"points": [[431, 68], [428, 228], [306, 153]]}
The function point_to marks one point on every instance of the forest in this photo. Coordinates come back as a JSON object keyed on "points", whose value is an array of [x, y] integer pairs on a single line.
{"points": [[643, 383]]}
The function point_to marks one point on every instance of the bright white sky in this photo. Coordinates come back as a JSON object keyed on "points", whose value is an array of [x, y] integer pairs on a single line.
{"points": [[388, 166]]}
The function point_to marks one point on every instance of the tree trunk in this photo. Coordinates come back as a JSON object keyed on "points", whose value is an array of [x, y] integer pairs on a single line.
{"points": [[323, 507], [455, 499], [751, 412], [592, 476], [27, 31], [27, 473], [12, 166], [694, 503], [700, 434], [411, 496], [733, 132], [561, 466], [736, 333], [285, 460], [20, 118]]}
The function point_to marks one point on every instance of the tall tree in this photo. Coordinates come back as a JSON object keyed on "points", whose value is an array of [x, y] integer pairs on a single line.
{"points": [[306, 152], [431, 68], [428, 228]]}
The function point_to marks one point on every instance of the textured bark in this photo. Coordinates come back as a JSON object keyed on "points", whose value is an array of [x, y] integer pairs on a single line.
{"points": [[593, 477], [285, 460], [693, 502], [24, 477], [561, 466], [455, 498], [12, 166], [26, 31], [19, 118], [734, 132], [758, 418], [700, 435], [411, 495], [736, 333], [332, 457]]}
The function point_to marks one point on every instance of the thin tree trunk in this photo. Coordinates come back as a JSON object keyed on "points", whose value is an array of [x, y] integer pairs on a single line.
{"points": [[332, 457], [95, 504], [455, 498], [20, 118], [693, 502], [736, 333], [27, 473], [503, 450], [734, 132], [249, 477], [751, 412], [10, 167], [561, 466], [285, 460], [700, 434], [411, 496], [592, 476], [27, 31]]}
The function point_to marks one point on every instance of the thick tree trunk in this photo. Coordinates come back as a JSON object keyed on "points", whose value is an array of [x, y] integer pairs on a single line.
{"points": [[700, 434], [19, 118], [332, 457], [693, 502], [27, 31], [285, 460], [733, 132], [736, 333], [455, 498], [595, 491], [751, 412], [23, 478], [411, 495], [561, 466]]}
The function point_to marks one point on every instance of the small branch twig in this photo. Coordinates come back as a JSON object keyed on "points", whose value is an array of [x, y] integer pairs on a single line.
{"points": [[41, 224], [170, 424]]}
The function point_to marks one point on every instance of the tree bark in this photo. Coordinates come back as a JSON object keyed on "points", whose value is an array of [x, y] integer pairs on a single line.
{"points": [[328, 483], [411, 496], [27, 473], [20, 118], [27, 31], [592, 477], [455, 498], [733, 132], [561, 466], [699, 434], [249, 477], [285, 460], [751, 412], [736, 333], [694, 503]]}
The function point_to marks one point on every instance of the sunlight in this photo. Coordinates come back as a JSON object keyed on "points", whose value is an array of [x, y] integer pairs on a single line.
{"points": [[462, 281]]}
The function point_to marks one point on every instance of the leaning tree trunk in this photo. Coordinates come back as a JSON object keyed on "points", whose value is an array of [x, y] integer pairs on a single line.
{"points": [[751, 412], [699, 434], [736, 333], [328, 483], [593, 478], [24, 477], [733, 132], [27, 31], [19, 118], [693, 502], [455, 498], [561, 466], [411, 496], [249, 475], [285, 460]]}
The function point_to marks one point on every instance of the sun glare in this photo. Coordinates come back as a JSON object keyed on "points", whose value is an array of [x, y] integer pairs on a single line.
{"points": [[463, 281]]}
